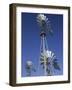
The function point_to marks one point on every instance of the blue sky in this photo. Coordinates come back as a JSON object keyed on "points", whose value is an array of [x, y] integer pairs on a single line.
{"points": [[31, 41]]}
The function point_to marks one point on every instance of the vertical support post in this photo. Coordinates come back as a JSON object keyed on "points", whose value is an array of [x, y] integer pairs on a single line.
{"points": [[44, 51]]}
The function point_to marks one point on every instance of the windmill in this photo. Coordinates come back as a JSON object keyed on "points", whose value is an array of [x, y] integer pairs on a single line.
{"points": [[47, 57], [30, 67]]}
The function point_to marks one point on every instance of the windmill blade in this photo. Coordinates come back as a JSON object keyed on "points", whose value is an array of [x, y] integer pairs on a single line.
{"points": [[56, 65]]}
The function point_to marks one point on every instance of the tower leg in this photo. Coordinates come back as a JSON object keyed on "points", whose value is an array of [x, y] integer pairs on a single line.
{"points": [[44, 51]]}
